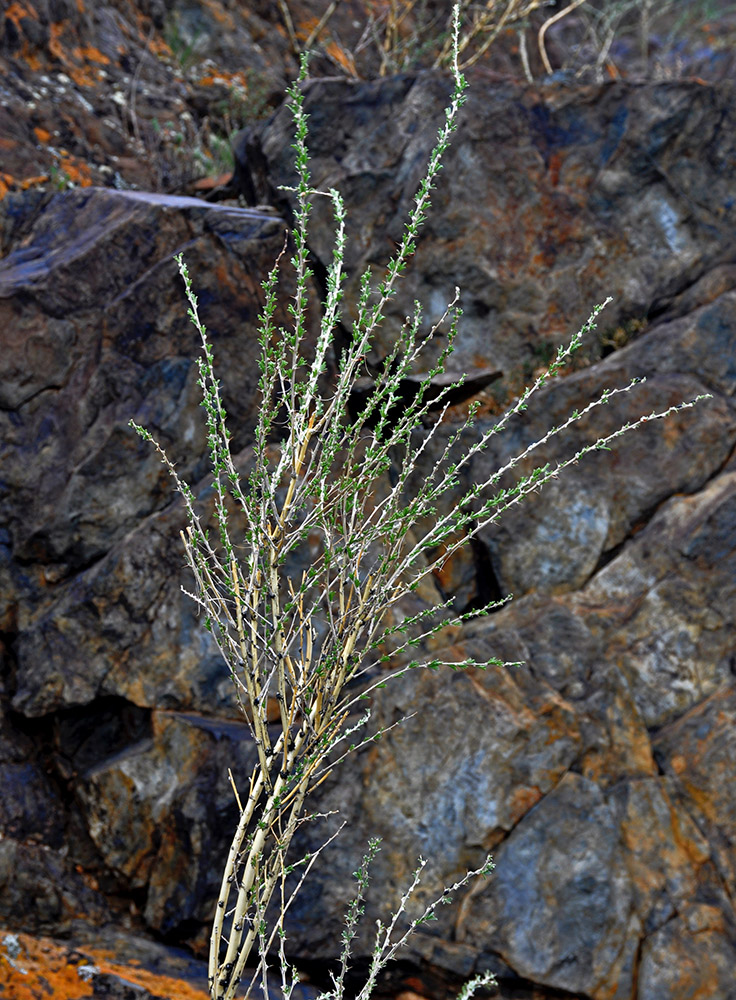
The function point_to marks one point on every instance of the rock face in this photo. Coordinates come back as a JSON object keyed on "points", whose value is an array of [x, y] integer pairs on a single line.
{"points": [[96, 336], [147, 93], [579, 771], [549, 201], [127, 968], [120, 95], [599, 772]]}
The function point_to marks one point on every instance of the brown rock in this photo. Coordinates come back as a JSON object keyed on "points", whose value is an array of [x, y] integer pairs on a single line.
{"points": [[99, 335], [604, 865], [162, 811], [565, 849], [119, 966], [531, 174], [691, 956], [508, 742], [30, 808], [579, 160], [587, 866], [557, 539], [696, 751], [665, 604], [129, 95], [40, 889], [658, 840], [125, 349], [152, 651]]}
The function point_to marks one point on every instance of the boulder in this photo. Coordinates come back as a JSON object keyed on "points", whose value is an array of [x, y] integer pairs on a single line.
{"points": [[98, 335], [598, 772], [43, 891], [605, 818], [160, 811], [550, 200]]}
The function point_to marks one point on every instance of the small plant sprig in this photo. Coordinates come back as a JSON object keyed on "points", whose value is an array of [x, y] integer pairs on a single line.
{"points": [[389, 939], [314, 644]]}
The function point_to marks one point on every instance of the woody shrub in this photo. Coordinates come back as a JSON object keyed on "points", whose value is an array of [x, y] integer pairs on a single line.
{"points": [[315, 644]]}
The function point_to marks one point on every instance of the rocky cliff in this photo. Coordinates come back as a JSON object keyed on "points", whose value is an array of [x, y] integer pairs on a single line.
{"points": [[599, 773]]}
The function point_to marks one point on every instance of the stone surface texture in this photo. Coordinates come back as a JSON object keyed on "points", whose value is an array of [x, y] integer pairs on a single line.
{"points": [[600, 771]]}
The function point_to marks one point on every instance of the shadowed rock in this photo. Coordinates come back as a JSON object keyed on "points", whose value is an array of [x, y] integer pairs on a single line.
{"points": [[600, 771]]}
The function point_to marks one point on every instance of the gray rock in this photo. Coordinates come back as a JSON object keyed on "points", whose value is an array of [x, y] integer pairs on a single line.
{"points": [[696, 752], [550, 200], [693, 953], [600, 771], [565, 849], [163, 809], [42, 891]]}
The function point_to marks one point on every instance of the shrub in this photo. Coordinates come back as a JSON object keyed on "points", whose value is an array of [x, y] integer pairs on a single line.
{"points": [[315, 643]]}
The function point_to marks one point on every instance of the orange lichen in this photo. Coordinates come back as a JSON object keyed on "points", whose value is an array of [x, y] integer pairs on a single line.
{"points": [[703, 799], [224, 278], [555, 162], [83, 77], [76, 170], [77, 61], [42, 135], [305, 27], [237, 79], [219, 14], [56, 29], [40, 969], [522, 801], [343, 58], [159, 47], [17, 11], [90, 53], [9, 183], [142, 23], [686, 836], [29, 182], [155, 983], [443, 573], [43, 968]]}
